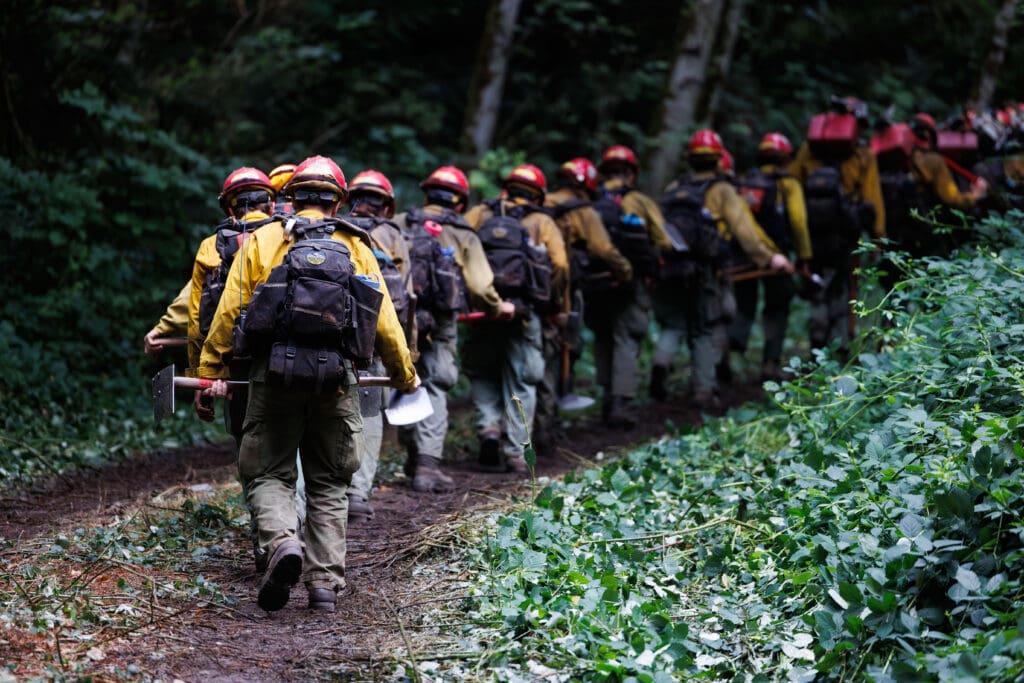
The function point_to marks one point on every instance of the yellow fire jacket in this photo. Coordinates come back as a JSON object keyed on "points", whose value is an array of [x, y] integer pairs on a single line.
{"points": [[207, 260], [932, 173], [174, 321], [792, 194], [264, 250]]}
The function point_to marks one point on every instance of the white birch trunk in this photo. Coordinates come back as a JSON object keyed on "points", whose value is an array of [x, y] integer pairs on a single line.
{"points": [[989, 75]]}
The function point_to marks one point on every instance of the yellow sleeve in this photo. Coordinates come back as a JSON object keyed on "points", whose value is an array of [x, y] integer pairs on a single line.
{"points": [[237, 293], [871, 191], [174, 322], [599, 244], [802, 163], [796, 213], [206, 260], [724, 202], [943, 184], [640, 204], [475, 216], [390, 341]]}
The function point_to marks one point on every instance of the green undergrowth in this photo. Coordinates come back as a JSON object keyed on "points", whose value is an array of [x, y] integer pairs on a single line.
{"points": [[867, 526]]}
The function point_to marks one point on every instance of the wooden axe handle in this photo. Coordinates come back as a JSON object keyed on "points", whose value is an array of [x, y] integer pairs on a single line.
{"points": [[202, 383]]}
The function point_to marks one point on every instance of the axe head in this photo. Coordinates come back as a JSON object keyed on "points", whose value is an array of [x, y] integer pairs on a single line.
{"points": [[163, 393], [405, 409], [570, 403]]}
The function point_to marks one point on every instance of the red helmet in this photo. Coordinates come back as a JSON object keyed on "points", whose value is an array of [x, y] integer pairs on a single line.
{"points": [[372, 181], [923, 127], [318, 173], [775, 142], [529, 175], [448, 178], [619, 154], [582, 171], [726, 163], [239, 179], [706, 142]]}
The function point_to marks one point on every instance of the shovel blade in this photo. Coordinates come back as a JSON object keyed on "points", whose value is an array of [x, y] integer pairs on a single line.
{"points": [[405, 409], [571, 403], [163, 393]]}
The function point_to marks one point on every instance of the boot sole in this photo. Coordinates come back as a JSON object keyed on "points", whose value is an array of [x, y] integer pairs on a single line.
{"points": [[277, 587]]}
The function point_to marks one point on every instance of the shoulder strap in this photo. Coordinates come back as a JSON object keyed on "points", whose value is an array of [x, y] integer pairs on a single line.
{"points": [[562, 209]]}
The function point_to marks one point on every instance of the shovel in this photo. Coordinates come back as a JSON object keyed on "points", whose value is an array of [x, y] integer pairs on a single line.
{"points": [[403, 409], [569, 402]]}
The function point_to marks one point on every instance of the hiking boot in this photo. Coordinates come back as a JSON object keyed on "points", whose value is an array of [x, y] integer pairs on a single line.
{"points": [[619, 413], [658, 390], [490, 459], [429, 477], [705, 399], [723, 372], [359, 510], [282, 573], [323, 599]]}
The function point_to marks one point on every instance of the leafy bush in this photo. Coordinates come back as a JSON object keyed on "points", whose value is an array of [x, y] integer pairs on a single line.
{"points": [[867, 527]]}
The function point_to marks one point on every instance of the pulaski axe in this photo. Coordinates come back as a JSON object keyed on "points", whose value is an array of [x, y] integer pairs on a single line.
{"points": [[403, 409]]}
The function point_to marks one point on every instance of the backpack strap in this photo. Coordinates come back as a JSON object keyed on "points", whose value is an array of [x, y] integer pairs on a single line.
{"points": [[560, 210]]}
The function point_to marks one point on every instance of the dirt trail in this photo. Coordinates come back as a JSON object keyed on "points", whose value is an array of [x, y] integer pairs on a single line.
{"points": [[389, 558]]}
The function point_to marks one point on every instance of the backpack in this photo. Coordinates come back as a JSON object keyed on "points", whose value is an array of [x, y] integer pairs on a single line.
{"points": [[761, 192], [834, 219], [394, 281], [901, 195], [521, 270], [313, 312], [436, 275], [691, 226], [628, 233], [587, 274], [229, 240]]}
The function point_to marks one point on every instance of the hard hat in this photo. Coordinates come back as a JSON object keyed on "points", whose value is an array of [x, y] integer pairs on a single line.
{"points": [[448, 178], [726, 163], [528, 175], [581, 171], [240, 179], [618, 154], [706, 142], [318, 173], [372, 181], [280, 176], [775, 142]]}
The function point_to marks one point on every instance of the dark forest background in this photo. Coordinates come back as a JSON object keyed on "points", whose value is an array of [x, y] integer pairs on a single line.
{"points": [[119, 120]]}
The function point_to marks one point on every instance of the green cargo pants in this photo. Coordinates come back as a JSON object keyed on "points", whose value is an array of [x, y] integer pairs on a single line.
{"points": [[327, 430], [830, 308], [372, 401], [439, 372], [619, 321], [778, 293], [502, 360]]}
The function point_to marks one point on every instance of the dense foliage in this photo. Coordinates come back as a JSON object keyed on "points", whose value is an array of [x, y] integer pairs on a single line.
{"points": [[121, 118], [870, 528]]}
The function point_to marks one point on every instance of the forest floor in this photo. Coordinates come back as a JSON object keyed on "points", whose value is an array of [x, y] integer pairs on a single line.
{"points": [[396, 561]]}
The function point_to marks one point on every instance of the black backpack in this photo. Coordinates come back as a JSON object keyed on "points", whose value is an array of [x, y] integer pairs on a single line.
{"points": [[521, 270], [691, 226], [230, 236], [436, 275], [761, 192], [628, 233], [394, 281], [313, 312], [901, 195], [834, 219]]}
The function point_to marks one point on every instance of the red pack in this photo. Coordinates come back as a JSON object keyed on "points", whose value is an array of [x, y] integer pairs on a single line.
{"points": [[832, 135], [893, 146], [959, 145]]}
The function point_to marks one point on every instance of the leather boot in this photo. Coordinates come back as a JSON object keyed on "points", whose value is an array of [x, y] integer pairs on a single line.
{"points": [[359, 510], [410, 463], [282, 573], [323, 599], [490, 458], [429, 477], [658, 390]]}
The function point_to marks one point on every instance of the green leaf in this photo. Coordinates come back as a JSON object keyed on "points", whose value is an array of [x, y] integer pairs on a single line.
{"points": [[968, 579]]}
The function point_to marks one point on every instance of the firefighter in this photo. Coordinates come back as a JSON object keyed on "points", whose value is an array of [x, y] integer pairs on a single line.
{"points": [[279, 177], [856, 181], [504, 359], [777, 201], [302, 389], [620, 325], [446, 192], [596, 268], [693, 297]]}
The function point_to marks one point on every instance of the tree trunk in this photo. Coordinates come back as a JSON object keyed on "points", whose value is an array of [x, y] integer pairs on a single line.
{"points": [[485, 90], [698, 27], [989, 75], [731, 33]]}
